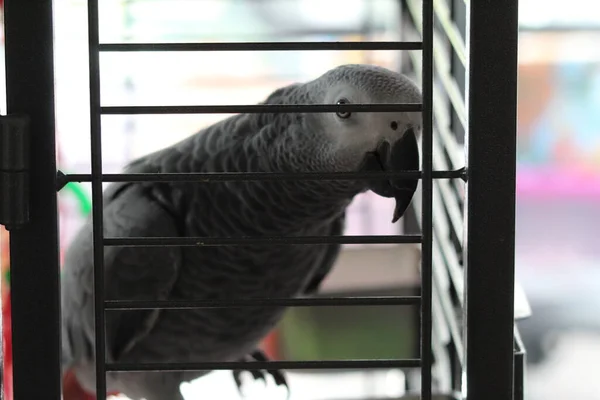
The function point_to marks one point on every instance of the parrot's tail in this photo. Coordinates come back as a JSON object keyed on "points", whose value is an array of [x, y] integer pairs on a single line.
{"points": [[72, 390]]}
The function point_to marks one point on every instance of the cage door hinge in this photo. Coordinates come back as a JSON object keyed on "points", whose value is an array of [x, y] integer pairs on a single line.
{"points": [[14, 171]]}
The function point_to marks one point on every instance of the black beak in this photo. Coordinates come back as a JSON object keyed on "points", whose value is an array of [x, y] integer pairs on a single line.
{"points": [[401, 156]]}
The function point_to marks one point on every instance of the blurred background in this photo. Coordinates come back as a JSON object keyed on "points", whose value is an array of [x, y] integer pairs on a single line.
{"points": [[558, 178]]}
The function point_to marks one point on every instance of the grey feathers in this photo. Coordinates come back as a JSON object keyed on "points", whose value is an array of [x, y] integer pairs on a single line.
{"points": [[295, 142]]}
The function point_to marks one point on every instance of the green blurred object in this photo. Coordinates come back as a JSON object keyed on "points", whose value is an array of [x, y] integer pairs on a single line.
{"points": [[85, 205], [358, 332]]}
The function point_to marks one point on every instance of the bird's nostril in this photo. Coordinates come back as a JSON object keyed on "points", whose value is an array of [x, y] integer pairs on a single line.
{"points": [[394, 125]]}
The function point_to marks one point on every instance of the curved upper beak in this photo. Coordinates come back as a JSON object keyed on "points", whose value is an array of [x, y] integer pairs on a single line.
{"points": [[403, 155]]}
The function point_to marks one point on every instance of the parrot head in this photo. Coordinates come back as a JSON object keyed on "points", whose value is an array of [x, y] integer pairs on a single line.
{"points": [[373, 141]]}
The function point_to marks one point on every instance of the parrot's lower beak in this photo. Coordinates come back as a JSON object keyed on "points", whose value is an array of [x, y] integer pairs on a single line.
{"points": [[403, 155]]}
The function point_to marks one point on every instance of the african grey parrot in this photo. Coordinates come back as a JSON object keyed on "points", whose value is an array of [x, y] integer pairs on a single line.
{"points": [[268, 142]]}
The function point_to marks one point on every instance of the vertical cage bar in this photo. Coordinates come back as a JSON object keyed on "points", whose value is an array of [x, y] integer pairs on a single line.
{"points": [[520, 371], [427, 199], [490, 218], [98, 231], [35, 270], [520, 367]]}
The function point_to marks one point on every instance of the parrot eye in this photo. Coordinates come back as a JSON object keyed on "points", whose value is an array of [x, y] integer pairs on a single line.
{"points": [[343, 114]]}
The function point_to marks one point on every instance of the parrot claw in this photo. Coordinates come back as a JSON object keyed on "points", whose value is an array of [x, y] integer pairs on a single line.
{"points": [[258, 355]]}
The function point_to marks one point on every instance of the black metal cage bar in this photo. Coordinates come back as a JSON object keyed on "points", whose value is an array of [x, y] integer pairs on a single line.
{"points": [[261, 46], [271, 302], [427, 200], [490, 216], [34, 247], [97, 201], [261, 108], [257, 176], [228, 365]]}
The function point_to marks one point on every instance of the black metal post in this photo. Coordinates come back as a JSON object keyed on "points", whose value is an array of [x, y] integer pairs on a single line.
{"points": [[490, 221], [427, 201], [34, 247], [97, 202]]}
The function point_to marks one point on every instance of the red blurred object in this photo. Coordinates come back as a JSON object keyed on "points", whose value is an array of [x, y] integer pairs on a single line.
{"points": [[7, 347], [72, 390], [270, 345]]}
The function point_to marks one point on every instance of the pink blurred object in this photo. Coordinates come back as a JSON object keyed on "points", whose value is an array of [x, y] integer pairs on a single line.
{"points": [[548, 182], [7, 348]]}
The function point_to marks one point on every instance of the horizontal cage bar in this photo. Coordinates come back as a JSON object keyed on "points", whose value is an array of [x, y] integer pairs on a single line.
{"points": [[272, 240], [260, 46], [262, 108], [273, 302], [207, 177], [258, 365]]}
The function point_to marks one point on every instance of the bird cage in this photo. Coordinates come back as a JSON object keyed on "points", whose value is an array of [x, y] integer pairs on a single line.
{"points": [[463, 53]]}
